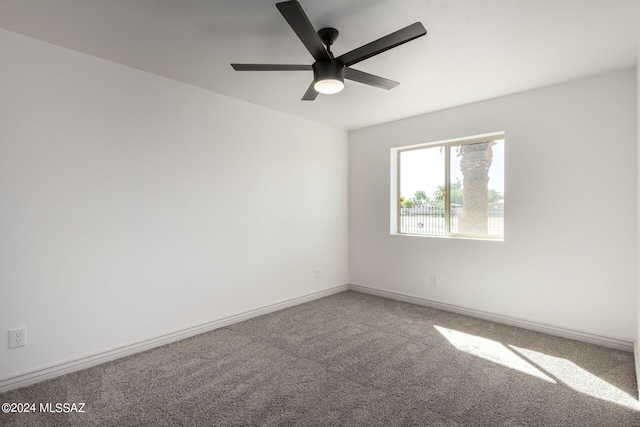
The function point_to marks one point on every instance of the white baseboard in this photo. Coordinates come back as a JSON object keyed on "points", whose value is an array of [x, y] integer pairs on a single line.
{"points": [[616, 343], [636, 356], [46, 372]]}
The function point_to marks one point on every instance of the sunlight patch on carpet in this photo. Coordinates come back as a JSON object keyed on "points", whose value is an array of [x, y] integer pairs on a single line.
{"points": [[492, 351], [578, 378]]}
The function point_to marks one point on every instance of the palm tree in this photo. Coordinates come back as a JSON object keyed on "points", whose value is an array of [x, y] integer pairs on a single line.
{"points": [[475, 163], [438, 195]]}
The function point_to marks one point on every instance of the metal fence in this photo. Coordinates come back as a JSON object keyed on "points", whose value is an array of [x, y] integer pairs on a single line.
{"points": [[429, 219]]}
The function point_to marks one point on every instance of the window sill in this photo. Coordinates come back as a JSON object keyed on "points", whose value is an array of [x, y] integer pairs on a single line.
{"points": [[454, 237]]}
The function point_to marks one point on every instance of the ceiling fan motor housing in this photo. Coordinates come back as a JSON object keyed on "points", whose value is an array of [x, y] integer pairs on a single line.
{"points": [[332, 69]]}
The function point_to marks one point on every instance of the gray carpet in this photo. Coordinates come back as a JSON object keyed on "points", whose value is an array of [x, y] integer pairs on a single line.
{"points": [[351, 359]]}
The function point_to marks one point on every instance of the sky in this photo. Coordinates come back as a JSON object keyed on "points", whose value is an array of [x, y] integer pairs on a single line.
{"points": [[423, 169]]}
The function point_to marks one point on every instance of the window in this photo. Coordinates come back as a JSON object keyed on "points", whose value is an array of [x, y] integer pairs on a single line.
{"points": [[450, 188]]}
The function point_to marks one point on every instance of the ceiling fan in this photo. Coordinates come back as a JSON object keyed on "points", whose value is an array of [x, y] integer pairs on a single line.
{"points": [[329, 72]]}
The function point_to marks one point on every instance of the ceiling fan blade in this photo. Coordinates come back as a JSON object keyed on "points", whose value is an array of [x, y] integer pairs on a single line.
{"points": [[383, 44], [369, 79], [297, 19], [271, 67], [310, 94]]}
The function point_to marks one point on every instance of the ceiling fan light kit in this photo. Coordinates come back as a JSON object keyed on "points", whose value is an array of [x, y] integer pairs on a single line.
{"points": [[329, 72]]}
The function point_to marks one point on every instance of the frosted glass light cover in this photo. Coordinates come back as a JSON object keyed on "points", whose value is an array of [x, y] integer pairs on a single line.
{"points": [[328, 86]]}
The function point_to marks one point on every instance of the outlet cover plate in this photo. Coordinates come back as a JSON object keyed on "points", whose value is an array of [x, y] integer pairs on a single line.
{"points": [[17, 337]]}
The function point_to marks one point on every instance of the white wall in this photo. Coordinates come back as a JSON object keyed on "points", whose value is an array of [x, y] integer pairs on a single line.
{"points": [[569, 256], [134, 206]]}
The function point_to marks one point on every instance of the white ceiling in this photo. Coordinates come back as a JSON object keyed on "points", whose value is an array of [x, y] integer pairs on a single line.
{"points": [[473, 50]]}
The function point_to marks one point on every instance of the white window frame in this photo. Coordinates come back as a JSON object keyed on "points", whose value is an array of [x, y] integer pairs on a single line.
{"points": [[395, 185]]}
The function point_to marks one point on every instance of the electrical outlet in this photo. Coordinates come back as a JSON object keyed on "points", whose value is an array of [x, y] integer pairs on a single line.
{"points": [[17, 337], [434, 280], [317, 273]]}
